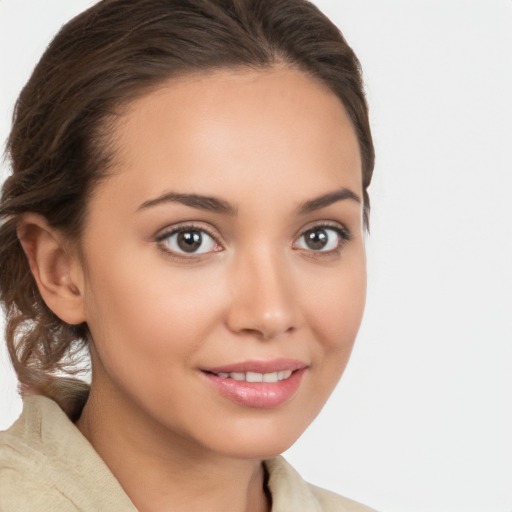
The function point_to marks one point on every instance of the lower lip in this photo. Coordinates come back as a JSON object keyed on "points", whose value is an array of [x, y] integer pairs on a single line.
{"points": [[261, 395]]}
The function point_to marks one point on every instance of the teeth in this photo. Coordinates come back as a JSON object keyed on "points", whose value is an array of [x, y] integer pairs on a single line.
{"points": [[284, 374], [270, 377], [256, 377]]}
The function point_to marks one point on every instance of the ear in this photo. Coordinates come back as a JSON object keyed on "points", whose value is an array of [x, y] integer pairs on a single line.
{"points": [[56, 270]]}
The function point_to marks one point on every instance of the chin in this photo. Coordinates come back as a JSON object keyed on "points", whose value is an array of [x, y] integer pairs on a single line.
{"points": [[258, 442], [259, 451]]}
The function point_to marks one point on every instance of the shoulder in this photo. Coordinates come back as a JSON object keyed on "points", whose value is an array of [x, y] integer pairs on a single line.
{"points": [[25, 472], [46, 464], [290, 492], [331, 501]]}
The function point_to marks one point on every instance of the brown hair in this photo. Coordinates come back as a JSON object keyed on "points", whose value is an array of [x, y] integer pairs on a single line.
{"points": [[100, 60]]}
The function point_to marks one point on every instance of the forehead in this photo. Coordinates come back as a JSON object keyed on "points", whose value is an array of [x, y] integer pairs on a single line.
{"points": [[237, 127]]}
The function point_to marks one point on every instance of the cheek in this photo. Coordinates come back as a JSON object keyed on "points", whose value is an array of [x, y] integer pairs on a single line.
{"points": [[334, 314], [336, 305], [152, 314]]}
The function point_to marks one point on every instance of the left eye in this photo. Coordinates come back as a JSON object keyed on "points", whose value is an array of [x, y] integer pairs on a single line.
{"points": [[189, 241], [320, 239]]}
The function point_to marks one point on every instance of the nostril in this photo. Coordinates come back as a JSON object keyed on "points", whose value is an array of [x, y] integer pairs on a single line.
{"points": [[267, 333]]}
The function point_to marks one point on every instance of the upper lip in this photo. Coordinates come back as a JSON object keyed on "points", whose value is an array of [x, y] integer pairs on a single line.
{"points": [[275, 365]]}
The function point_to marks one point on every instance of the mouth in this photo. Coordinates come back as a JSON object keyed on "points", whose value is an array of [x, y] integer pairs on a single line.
{"points": [[254, 376], [258, 384]]}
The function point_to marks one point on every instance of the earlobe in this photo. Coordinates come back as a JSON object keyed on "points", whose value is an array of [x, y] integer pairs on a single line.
{"points": [[53, 267]]}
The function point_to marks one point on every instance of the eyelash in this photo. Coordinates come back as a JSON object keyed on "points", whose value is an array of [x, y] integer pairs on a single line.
{"points": [[160, 239], [343, 234]]}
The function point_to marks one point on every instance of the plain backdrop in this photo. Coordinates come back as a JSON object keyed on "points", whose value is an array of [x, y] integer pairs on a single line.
{"points": [[422, 419]]}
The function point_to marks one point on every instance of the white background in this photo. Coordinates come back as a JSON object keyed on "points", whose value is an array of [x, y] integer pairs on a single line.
{"points": [[422, 420]]}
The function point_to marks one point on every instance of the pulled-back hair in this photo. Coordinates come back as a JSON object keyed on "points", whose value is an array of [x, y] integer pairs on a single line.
{"points": [[99, 61]]}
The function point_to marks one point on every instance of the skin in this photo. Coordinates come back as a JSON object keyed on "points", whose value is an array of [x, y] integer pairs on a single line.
{"points": [[264, 142]]}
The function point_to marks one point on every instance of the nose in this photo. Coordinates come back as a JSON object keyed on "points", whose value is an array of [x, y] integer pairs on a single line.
{"points": [[263, 298]]}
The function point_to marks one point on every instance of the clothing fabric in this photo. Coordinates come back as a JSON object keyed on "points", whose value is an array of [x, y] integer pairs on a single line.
{"points": [[47, 465]]}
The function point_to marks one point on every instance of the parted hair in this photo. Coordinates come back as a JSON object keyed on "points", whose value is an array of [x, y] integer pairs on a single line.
{"points": [[59, 150]]}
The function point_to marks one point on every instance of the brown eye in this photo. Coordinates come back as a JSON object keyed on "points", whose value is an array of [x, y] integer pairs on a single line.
{"points": [[322, 239], [188, 241], [316, 239]]}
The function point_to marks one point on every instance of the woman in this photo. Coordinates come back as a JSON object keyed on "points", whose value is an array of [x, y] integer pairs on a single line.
{"points": [[188, 201]]}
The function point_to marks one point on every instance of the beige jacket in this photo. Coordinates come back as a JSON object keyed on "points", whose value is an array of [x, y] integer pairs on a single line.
{"points": [[46, 465]]}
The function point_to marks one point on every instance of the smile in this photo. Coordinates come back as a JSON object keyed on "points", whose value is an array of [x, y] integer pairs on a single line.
{"points": [[256, 377], [258, 384]]}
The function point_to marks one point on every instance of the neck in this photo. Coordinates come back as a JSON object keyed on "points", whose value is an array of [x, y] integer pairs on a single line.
{"points": [[162, 471]]}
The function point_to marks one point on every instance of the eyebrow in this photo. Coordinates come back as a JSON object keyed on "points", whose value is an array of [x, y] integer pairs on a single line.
{"points": [[211, 204], [216, 205], [327, 199]]}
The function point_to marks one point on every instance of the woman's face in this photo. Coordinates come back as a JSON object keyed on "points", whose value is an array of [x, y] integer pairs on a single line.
{"points": [[227, 249]]}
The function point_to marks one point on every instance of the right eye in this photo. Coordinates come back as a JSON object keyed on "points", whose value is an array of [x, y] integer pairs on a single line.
{"points": [[189, 240]]}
